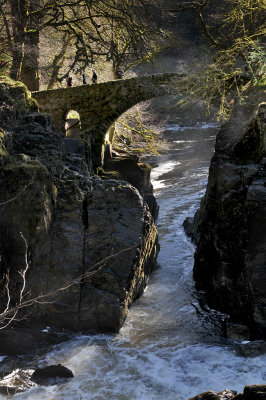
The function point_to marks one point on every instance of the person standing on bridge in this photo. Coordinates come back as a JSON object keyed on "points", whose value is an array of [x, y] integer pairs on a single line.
{"points": [[119, 74], [69, 81], [84, 79], [94, 77]]}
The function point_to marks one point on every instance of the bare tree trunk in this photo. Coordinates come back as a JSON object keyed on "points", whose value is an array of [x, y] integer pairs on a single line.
{"points": [[17, 59], [30, 64], [114, 70], [20, 16]]}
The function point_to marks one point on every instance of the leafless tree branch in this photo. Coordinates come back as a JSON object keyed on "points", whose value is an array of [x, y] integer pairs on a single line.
{"points": [[10, 313], [22, 190]]}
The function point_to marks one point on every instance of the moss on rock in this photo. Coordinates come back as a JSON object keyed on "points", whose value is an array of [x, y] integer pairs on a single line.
{"points": [[15, 101]]}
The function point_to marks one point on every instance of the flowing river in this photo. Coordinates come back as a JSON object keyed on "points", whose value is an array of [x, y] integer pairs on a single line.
{"points": [[168, 348]]}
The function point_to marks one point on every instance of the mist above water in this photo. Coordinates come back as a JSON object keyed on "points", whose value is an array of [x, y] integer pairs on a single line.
{"points": [[168, 347]]}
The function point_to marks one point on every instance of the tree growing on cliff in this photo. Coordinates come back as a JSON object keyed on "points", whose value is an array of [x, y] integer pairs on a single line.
{"points": [[236, 36]]}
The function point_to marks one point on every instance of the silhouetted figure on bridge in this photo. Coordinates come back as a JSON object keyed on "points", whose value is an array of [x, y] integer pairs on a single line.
{"points": [[69, 81], [94, 77], [119, 74], [84, 79]]}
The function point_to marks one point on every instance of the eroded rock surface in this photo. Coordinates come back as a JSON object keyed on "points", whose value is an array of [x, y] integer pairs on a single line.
{"points": [[16, 382], [21, 380], [252, 392], [230, 227], [133, 171], [95, 238]]}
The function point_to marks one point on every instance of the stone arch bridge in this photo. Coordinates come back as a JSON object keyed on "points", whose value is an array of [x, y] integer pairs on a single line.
{"points": [[99, 105]]}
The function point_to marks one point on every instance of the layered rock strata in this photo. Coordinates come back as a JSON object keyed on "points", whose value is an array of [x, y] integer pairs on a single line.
{"points": [[129, 168], [230, 227], [94, 238]]}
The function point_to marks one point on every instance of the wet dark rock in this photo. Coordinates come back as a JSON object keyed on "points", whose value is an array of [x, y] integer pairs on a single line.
{"points": [[136, 173], [152, 203], [21, 340], [16, 382], [50, 374], [252, 349], [255, 392], [21, 380], [230, 227], [188, 226], [237, 331], [206, 396], [226, 394]]}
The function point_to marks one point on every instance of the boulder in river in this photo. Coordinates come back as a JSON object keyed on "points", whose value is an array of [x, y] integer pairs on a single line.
{"points": [[255, 392], [206, 396], [253, 348], [188, 226], [17, 381], [237, 331], [226, 394], [252, 392], [51, 374]]}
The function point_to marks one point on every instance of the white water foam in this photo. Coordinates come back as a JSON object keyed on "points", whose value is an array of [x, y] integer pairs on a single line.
{"points": [[158, 185], [199, 125], [185, 141], [114, 368], [162, 169]]}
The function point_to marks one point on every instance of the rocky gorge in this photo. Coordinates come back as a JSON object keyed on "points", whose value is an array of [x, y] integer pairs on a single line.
{"points": [[89, 242], [95, 235]]}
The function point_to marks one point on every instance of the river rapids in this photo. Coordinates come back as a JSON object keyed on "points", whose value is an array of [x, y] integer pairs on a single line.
{"points": [[169, 347]]}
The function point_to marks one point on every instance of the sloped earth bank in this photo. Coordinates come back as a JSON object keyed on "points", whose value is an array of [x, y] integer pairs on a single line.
{"points": [[169, 348]]}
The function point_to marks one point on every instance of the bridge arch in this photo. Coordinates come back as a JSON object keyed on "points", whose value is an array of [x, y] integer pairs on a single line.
{"points": [[72, 124], [99, 106]]}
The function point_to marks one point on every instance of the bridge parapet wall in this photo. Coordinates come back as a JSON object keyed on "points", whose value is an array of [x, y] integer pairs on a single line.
{"points": [[102, 103], [99, 105]]}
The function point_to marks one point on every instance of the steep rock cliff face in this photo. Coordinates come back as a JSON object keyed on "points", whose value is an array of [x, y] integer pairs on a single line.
{"points": [[130, 169], [71, 220], [230, 227]]}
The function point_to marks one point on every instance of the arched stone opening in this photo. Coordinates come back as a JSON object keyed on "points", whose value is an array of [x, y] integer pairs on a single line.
{"points": [[72, 124], [130, 133]]}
